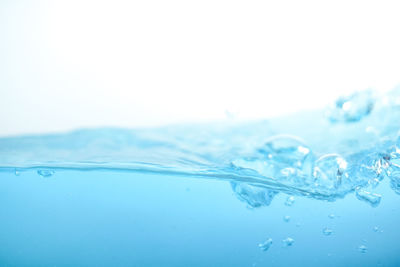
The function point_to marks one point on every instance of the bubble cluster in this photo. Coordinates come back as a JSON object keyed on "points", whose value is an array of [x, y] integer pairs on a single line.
{"points": [[282, 157], [291, 162]]}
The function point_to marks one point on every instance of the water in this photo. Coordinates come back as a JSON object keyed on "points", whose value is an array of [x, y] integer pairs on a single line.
{"points": [[305, 188]]}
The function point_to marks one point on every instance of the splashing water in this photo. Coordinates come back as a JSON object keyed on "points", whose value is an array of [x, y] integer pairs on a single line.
{"points": [[311, 154]]}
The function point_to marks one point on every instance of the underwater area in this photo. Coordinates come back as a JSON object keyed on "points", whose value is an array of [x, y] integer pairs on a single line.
{"points": [[316, 188]]}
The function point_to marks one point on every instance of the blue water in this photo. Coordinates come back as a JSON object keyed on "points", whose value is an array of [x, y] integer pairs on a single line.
{"points": [[316, 188]]}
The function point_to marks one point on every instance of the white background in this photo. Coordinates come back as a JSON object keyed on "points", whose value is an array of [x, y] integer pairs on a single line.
{"points": [[71, 64]]}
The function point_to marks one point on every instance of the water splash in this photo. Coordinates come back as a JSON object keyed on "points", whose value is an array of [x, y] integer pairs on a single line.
{"points": [[304, 154], [352, 108]]}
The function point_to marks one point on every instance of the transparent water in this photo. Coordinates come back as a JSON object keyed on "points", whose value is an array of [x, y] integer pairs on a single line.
{"points": [[312, 189]]}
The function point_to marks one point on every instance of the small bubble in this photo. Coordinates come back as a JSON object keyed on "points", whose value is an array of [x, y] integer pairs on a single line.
{"points": [[331, 216], [376, 229], [288, 242], [17, 172], [327, 231], [45, 173], [362, 249], [289, 201], [286, 218], [266, 245]]}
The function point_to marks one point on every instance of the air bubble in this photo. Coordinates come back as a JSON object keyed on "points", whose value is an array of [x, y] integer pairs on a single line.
{"points": [[362, 249], [288, 242], [266, 245], [45, 173], [289, 201], [286, 218], [329, 170], [327, 231], [368, 197], [254, 196]]}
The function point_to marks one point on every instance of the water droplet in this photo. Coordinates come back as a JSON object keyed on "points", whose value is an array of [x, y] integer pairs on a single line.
{"points": [[376, 229], [286, 218], [352, 108], [288, 242], [362, 249], [370, 198], [331, 216], [289, 201], [329, 170], [266, 245], [327, 231], [45, 173]]}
